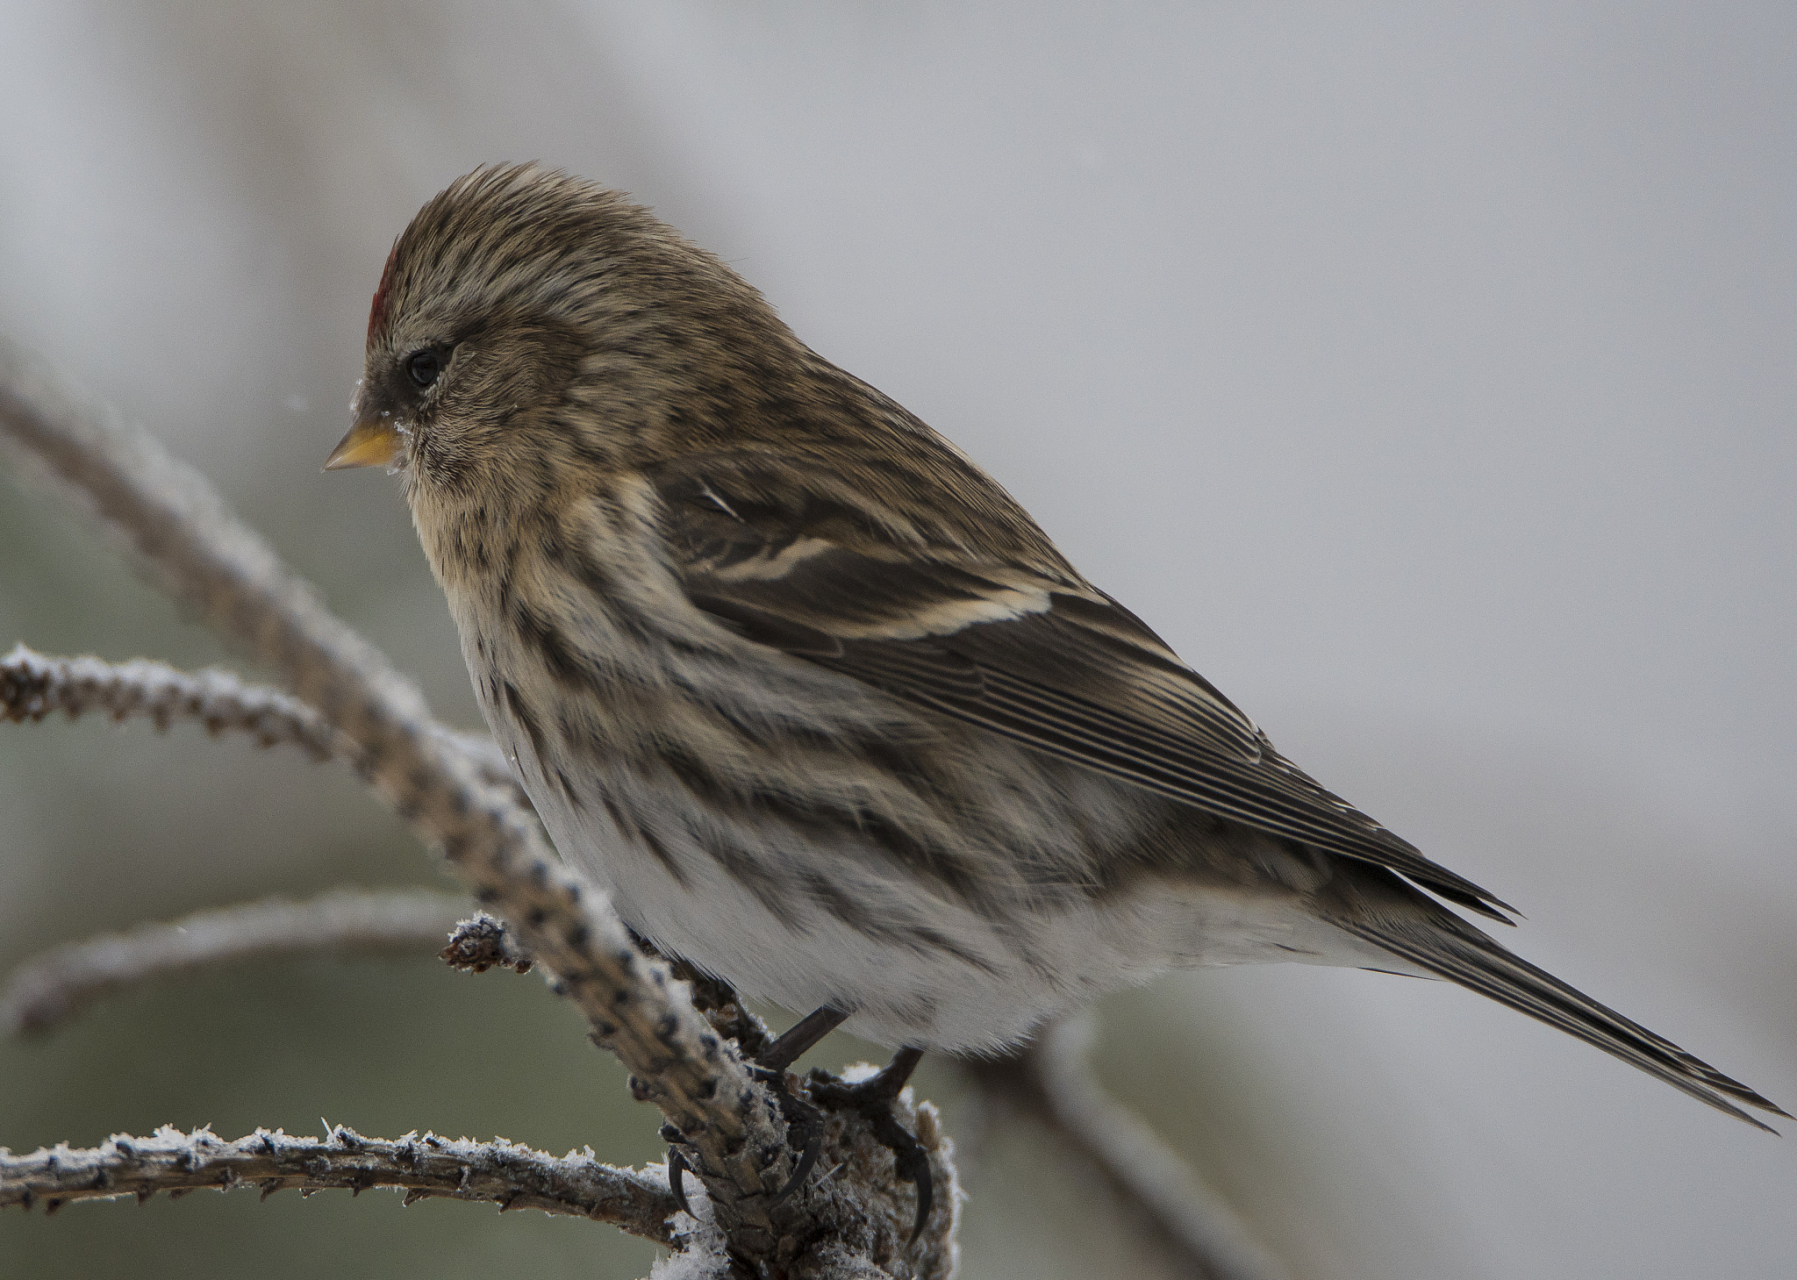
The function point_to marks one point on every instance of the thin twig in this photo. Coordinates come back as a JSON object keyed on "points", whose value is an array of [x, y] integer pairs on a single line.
{"points": [[33, 685], [482, 942], [497, 1172], [53, 986], [1204, 1235], [183, 532]]}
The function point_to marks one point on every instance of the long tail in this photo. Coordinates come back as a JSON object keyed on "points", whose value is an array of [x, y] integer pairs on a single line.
{"points": [[1435, 940]]}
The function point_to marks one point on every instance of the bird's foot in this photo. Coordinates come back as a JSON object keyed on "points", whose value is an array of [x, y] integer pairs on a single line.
{"points": [[804, 1128], [872, 1100]]}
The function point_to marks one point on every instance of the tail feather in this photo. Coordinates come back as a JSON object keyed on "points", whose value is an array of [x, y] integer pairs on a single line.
{"points": [[1445, 945]]}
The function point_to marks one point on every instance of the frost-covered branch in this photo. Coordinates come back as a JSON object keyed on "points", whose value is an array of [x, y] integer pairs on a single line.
{"points": [[33, 685], [44, 990], [1206, 1238], [497, 1172], [481, 943], [182, 531]]}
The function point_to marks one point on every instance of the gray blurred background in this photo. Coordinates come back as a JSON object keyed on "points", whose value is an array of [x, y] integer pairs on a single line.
{"points": [[1423, 373]]}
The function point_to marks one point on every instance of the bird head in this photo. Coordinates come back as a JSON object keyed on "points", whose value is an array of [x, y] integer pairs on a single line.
{"points": [[530, 325]]}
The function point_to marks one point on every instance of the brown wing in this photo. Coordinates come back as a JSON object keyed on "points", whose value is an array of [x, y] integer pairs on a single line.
{"points": [[1030, 651]]}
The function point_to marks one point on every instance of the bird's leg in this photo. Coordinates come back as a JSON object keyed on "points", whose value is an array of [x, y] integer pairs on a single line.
{"points": [[872, 1099], [796, 1041]]}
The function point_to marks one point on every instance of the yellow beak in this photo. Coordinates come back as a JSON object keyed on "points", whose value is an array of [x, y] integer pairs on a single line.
{"points": [[372, 442]]}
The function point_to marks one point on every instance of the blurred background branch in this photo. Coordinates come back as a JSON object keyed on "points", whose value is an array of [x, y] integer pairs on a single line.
{"points": [[1051, 1079], [58, 984]]}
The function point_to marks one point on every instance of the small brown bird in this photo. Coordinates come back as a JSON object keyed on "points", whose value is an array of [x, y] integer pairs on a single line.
{"points": [[813, 698]]}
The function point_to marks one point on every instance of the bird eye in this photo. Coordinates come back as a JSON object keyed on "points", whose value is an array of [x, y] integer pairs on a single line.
{"points": [[424, 366]]}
